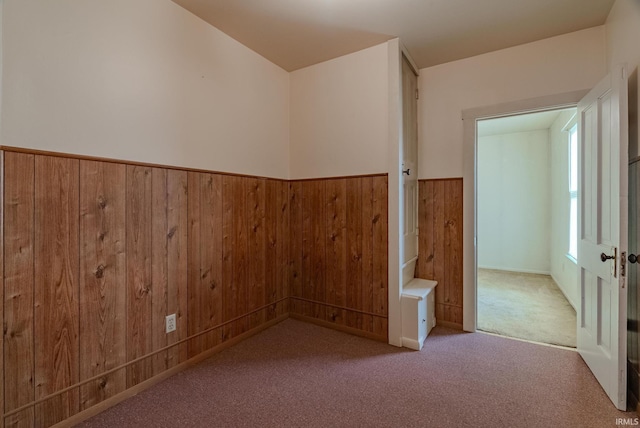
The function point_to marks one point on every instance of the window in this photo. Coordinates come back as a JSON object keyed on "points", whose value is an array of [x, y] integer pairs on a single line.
{"points": [[573, 192]]}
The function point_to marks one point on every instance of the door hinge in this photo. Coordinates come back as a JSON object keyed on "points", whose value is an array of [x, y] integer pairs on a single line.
{"points": [[623, 264], [417, 94]]}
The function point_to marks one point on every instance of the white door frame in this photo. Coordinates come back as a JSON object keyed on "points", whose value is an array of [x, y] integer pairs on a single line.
{"points": [[469, 221]]}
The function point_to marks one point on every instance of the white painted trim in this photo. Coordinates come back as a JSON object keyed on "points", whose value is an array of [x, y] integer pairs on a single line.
{"points": [[563, 293], [410, 60], [470, 118], [411, 344], [394, 183]]}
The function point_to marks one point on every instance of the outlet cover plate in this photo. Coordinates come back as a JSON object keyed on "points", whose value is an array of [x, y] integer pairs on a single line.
{"points": [[171, 323]]}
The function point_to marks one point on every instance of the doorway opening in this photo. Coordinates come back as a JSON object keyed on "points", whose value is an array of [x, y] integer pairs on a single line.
{"points": [[526, 226]]}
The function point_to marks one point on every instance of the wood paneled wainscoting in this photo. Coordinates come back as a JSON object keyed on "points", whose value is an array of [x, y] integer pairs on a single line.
{"points": [[98, 252], [338, 274], [440, 245]]}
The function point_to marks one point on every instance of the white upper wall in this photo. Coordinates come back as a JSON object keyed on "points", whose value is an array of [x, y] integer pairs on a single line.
{"points": [[557, 65], [514, 202], [340, 116], [140, 80]]}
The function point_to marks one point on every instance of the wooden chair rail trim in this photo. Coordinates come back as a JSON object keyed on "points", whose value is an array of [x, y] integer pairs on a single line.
{"points": [[339, 307], [125, 365]]}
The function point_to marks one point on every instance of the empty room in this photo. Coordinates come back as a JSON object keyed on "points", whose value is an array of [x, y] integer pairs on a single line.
{"points": [[265, 213]]}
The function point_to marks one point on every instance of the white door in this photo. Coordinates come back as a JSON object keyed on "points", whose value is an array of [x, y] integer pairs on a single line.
{"points": [[602, 233], [409, 164]]}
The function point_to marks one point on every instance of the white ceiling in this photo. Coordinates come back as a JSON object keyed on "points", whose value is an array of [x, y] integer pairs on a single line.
{"points": [[520, 123], [298, 33]]}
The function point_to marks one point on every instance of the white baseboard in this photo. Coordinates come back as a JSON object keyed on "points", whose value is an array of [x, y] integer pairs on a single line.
{"points": [[563, 292], [411, 344]]}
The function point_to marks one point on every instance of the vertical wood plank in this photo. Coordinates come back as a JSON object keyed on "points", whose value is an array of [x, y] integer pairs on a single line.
{"points": [[102, 279], [2, 286], [453, 241], [367, 252], [284, 240], [139, 272], [56, 300], [159, 267], [426, 234], [296, 241], [354, 247], [230, 287], [240, 276], [18, 212], [254, 210], [177, 219], [193, 262], [439, 242], [211, 256], [273, 245], [379, 247], [313, 257], [336, 249]]}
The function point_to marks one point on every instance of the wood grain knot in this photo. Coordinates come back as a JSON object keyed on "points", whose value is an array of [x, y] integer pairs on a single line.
{"points": [[102, 235], [430, 257], [99, 272], [172, 232], [284, 208], [102, 202], [213, 285], [356, 257], [333, 237], [376, 219], [255, 228], [103, 383]]}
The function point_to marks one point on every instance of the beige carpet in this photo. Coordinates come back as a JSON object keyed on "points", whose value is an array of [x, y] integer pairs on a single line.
{"points": [[525, 306]]}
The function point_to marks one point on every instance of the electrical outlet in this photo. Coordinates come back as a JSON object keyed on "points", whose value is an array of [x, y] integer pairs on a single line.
{"points": [[170, 323]]}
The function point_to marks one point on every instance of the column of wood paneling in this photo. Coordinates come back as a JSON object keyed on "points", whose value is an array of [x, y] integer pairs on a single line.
{"points": [[336, 250], [159, 267], [241, 252], [440, 245], [354, 252], [102, 279], [380, 256], [273, 246], [19, 355], [295, 245], [256, 240], [210, 257], [139, 227], [230, 292], [284, 239], [193, 263], [177, 224], [56, 300], [2, 286], [367, 253]]}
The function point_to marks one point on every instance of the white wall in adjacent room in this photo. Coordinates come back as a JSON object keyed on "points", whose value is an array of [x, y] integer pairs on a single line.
{"points": [[514, 201], [140, 80]]}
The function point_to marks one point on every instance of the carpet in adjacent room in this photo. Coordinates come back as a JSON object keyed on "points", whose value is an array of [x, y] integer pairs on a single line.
{"points": [[525, 306]]}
